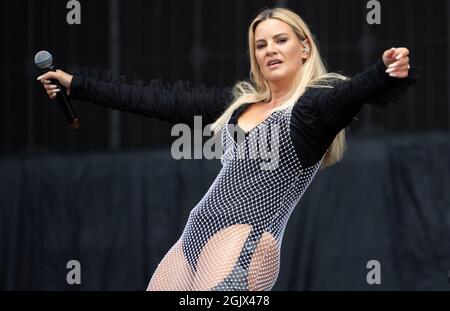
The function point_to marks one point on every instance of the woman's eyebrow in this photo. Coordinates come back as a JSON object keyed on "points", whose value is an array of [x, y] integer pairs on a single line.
{"points": [[276, 36]]}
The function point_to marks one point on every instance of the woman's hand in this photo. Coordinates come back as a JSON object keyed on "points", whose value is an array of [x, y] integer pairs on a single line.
{"points": [[397, 62], [64, 79]]}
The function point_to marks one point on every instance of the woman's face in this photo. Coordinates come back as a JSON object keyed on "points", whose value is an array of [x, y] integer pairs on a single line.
{"points": [[278, 51]]}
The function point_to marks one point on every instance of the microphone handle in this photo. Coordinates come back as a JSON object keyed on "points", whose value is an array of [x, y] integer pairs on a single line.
{"points": [[66, 107]]}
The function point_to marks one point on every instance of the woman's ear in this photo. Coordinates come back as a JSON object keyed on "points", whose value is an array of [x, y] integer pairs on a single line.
{"points": [[306, 49]]}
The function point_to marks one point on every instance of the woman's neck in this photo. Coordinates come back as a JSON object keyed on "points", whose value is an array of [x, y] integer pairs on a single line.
{"points": [[279, 94]]}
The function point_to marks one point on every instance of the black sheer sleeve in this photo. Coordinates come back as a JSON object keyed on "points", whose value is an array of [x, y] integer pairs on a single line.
{"points": [[176, 103], [374, 86], [321, 113]]}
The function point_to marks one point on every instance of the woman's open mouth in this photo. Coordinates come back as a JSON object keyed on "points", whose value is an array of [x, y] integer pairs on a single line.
{"points": [[272, 64]]}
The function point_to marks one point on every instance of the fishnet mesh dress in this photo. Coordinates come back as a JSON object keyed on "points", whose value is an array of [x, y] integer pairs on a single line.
{"points": [[233, 236]]}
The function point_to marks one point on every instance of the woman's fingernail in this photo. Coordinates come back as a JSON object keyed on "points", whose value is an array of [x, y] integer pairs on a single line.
{"points": [[392, 74], [39, 78], [399, 56], [389, 70], [392, 65], [57, 90]]}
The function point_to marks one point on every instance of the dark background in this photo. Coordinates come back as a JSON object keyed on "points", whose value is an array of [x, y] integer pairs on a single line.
{"points": [[111, 196]]}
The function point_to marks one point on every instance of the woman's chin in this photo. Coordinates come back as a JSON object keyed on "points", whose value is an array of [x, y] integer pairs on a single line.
{"points": [[275, 77]]}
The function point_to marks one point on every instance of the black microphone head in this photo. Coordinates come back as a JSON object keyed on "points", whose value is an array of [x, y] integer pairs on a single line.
{"points": [[43, 59]]}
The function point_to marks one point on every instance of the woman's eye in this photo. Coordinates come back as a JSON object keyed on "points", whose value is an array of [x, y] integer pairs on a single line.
{"points": [[281, 40]]}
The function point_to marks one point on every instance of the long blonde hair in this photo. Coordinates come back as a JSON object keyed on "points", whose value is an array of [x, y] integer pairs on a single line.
{"points": [[311, 74]]}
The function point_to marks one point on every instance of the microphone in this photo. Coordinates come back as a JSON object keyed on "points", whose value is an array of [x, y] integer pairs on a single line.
{"points": [[44, 61]]}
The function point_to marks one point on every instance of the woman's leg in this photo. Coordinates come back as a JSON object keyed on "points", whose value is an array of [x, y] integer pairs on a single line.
{"points": [[265, 264], [219, 255], [173, 272]]}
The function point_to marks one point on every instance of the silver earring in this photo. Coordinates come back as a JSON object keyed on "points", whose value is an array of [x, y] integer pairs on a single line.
{"points": [[306, 48]]}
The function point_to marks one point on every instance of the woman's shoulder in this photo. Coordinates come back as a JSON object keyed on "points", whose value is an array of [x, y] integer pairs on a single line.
{"points": [[307, 104], [313, 91]]}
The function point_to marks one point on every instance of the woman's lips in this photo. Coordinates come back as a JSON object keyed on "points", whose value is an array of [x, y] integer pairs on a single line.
{"points": [[273, 66]]}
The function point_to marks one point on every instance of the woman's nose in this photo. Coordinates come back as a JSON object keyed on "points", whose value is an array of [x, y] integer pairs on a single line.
{"points": [[270, 49]]}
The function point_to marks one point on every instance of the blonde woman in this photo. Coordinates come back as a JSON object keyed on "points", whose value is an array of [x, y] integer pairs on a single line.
{"points": [[232, 238]]}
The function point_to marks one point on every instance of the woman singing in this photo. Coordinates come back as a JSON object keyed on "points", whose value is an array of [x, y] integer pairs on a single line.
{"points": [[232, 238]]}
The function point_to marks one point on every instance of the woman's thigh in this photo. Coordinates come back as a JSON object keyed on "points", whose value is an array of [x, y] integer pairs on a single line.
{"points": [[219, 255], [265, 264], [173, 272], [221, 252]]}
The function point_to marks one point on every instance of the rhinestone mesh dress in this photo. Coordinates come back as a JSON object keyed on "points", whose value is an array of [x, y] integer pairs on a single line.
{"points": [[233, 236]]}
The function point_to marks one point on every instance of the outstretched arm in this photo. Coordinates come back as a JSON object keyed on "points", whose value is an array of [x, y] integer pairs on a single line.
{"points": [[383, 83], [177, 103]]}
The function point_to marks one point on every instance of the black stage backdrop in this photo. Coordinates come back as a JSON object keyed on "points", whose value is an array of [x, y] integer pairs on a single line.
{"points": [[118, 213], [111, 196], [203, 42]]}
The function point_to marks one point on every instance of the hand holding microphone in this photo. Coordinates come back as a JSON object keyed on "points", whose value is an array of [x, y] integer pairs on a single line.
{"points": [[62, 77], [57, 84]]}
